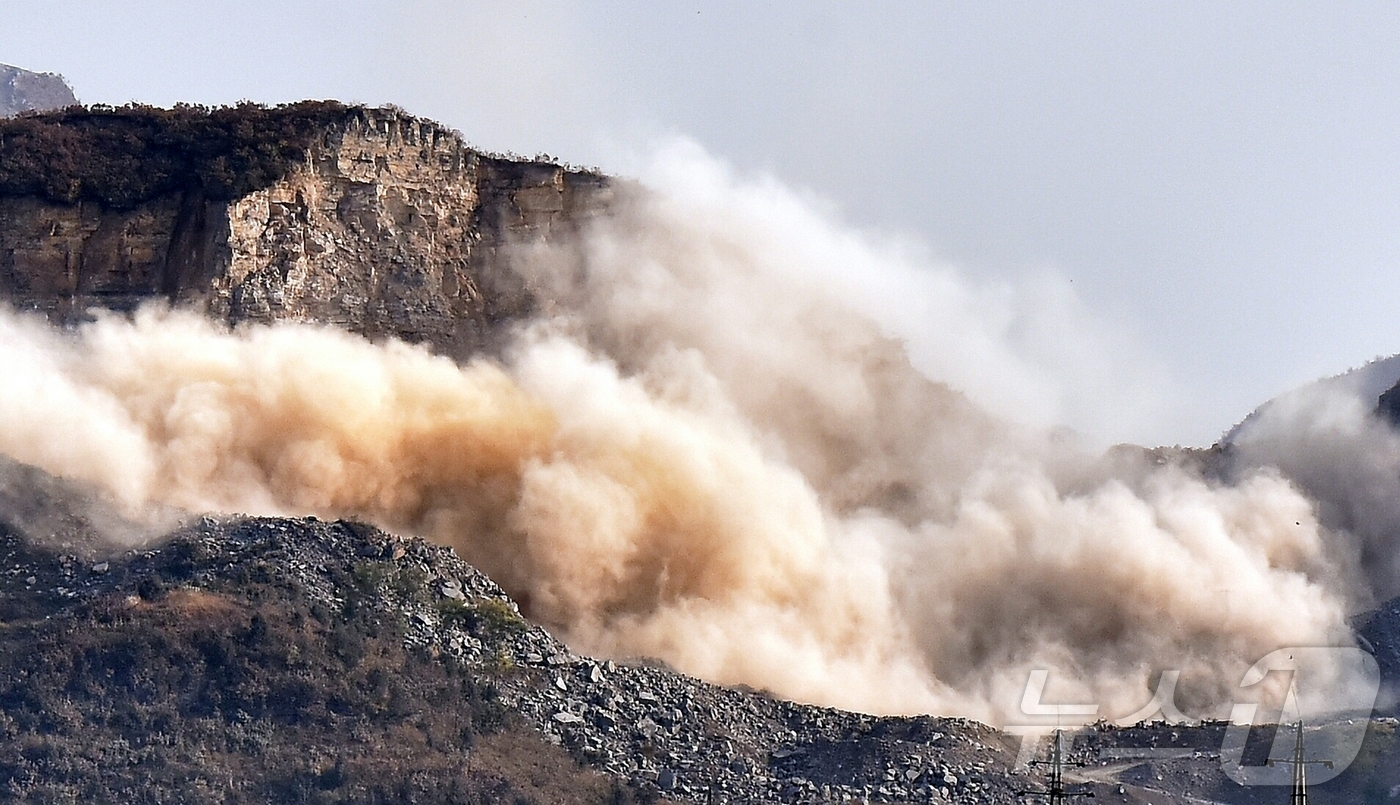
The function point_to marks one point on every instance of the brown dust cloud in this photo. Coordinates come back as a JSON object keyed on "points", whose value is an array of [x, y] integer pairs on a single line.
{"points": [[711, 449]]}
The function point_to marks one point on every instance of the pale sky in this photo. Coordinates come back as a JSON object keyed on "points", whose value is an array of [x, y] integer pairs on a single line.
{"points": [[1218, 181]]}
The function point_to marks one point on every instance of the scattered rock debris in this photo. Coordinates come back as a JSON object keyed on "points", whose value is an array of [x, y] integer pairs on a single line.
{"points": [[656, 733]]}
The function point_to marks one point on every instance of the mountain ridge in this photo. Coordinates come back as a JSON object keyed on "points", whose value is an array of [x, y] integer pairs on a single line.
{"points": [[25, 91]]}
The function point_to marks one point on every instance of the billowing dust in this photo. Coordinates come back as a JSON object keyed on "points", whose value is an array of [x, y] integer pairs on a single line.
{"points": [[710, 449]]}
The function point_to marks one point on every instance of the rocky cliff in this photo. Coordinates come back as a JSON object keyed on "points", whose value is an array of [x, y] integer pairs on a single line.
{"points": [[370, 219], [23, 91]]}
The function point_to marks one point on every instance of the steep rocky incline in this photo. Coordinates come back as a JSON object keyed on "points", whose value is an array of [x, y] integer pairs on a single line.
{"points": [[252, 662], [300, 660], [24, 91], [365, 218]]}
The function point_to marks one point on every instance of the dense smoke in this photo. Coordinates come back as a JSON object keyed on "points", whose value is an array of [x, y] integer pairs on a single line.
{"points": [[709, 449], [1325, 438]]}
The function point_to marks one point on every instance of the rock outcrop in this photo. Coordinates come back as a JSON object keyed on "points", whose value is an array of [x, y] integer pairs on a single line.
{"points": [[1388, 405], [369, 219], [23, 91]]}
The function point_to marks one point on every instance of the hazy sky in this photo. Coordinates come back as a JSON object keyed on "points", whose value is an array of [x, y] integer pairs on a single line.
{"points": [[1218, 181]]}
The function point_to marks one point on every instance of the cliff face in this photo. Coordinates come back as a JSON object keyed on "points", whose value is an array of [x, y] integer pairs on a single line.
{"points": [[375, 221], [23, 91]]}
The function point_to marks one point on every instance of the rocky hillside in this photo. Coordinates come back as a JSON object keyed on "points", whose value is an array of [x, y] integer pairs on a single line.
{"points": [[365, 218], [256, 660], [23, 91], [295, 660]]}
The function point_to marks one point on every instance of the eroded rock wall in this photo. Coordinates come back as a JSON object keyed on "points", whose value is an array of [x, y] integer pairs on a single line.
{"points": [[391, 226]]}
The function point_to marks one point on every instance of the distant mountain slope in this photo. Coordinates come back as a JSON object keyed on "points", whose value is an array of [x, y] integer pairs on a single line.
{"points": [[24, 91], [1369, 382]]}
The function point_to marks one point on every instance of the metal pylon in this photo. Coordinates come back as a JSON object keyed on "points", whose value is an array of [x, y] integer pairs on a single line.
{"points": [[1055, 793], [1300, 769]]}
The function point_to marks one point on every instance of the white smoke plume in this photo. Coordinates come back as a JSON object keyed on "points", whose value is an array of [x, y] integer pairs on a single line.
{"points": [[709, 449], [1328, 442]]}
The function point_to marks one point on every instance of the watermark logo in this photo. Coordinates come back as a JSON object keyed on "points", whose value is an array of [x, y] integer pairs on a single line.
{"points": [[1350, 678], [1332, 689]]}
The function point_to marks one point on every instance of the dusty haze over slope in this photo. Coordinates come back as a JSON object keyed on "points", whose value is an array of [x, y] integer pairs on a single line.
{"points": [[707, 448]]}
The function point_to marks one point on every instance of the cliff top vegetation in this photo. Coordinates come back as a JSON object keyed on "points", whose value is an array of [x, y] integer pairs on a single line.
{"points": [[123, 156]]}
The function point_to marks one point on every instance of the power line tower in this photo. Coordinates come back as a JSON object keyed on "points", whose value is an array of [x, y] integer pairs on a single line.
{"points": [[1055, 793], [1300, 769]]}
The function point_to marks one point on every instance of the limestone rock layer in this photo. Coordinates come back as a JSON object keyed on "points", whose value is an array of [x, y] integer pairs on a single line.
{"points": [[369, 219]]}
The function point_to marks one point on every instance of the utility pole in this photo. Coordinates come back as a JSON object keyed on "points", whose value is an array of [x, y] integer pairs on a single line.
{"points": [[1055, 793], [1300, 769]]}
